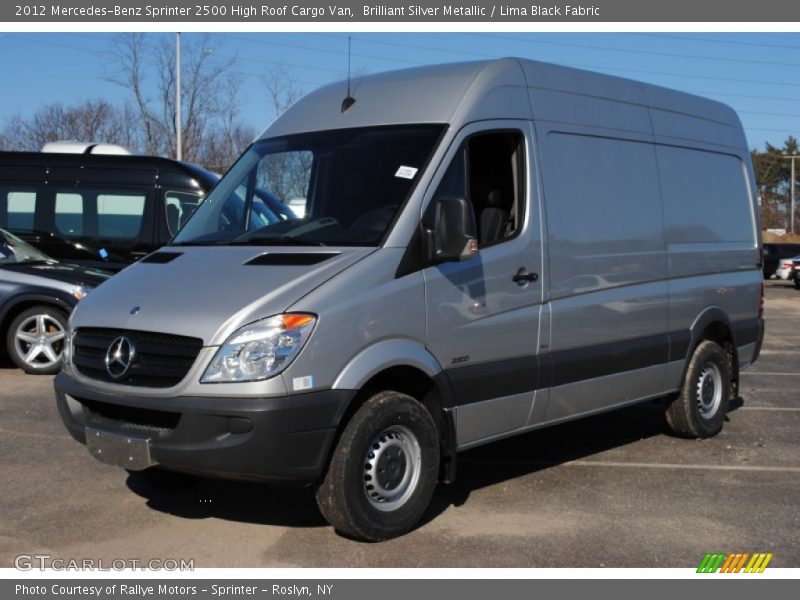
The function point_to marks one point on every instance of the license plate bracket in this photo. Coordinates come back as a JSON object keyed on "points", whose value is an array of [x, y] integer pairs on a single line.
{"points": [[131, 453]]}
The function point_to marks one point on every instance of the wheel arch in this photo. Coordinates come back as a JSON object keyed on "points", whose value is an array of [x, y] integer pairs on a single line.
{"points": [[384, 355], [406, 367], [715, 325]]}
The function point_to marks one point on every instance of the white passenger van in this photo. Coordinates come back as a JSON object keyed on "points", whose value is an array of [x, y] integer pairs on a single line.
{"points": [[486, 249]]}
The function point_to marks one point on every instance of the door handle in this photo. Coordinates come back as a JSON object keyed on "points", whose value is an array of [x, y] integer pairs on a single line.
{"points": [[524, 276]]}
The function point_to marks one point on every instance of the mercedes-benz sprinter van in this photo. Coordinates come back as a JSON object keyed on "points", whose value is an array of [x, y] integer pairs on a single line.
{"points": [[487, 248]]}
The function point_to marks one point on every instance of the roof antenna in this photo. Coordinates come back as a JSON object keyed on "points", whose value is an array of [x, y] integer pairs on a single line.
{"points": [[349, 100]]}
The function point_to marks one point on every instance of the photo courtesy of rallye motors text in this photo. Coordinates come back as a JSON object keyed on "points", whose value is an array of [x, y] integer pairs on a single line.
{"points": [[103, 590], [451, 282], [144, 591]]}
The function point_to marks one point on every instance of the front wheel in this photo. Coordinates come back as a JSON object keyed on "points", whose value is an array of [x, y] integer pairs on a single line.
{"points": [[700, 408], [383, 471], [797, 282], [35, 339]]}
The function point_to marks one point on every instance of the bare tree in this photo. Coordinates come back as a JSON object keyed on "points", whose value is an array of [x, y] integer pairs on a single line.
{"points": [[209, 85], [144, 65], [223, 146], [128, 50], [226, 142], [282, 89], [89, 121], [285, 174]]}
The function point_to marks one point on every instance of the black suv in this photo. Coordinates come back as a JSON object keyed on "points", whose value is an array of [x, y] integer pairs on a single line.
{"points": [[37, 294], [98, 210]]}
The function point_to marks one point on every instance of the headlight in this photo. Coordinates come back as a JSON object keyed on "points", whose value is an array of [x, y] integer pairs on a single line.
{"points": [[80, 291], [261, 349]]}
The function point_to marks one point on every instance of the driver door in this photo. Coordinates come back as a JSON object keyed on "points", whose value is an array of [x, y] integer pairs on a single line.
{"points": [[483, 314]]}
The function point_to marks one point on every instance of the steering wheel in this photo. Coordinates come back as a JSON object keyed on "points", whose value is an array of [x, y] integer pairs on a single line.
{"points": [[375, 220]]}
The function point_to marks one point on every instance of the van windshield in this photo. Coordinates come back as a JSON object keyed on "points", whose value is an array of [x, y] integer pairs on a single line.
{"points": [[329, 188], [14, 251]]}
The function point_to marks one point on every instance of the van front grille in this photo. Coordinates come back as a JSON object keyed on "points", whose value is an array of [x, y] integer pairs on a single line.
{"points": [[158, 359]]}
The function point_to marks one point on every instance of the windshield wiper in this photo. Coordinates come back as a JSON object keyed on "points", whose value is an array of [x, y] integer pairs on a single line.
{"points": [[283, 240]]}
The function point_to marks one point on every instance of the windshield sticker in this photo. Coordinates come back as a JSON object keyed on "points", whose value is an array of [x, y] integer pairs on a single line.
{"points": [[406, 172]]}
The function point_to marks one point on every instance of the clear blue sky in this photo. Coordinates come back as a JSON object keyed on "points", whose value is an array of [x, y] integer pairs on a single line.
{"points": [[758, 74]]}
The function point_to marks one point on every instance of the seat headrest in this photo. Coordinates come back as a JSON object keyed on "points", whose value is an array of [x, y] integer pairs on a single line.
{"points": [[494, 198]]}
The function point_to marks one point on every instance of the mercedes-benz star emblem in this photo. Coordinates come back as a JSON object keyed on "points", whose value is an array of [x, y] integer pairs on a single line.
{"points": [[119, 357]]}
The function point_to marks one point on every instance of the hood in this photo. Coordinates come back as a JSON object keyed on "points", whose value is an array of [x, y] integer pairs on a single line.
{"points": [[63, 272], [210, 291]]}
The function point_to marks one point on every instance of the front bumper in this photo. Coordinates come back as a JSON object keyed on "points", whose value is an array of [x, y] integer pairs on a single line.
{"points": [[285, 439]]}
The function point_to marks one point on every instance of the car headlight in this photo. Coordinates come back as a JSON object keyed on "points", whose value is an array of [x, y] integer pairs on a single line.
{"points": [[260, 350], [80, 291]]}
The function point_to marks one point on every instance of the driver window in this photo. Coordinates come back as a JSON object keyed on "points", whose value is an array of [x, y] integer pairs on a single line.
{"points": [[265, 209], [488, 171]]}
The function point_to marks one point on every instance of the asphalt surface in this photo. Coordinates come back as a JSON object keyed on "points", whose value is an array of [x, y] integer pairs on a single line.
{"points": [[613, 490]]}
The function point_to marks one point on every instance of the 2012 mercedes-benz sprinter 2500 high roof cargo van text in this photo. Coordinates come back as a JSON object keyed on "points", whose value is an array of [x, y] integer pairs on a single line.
{"points": [[487, 248]]}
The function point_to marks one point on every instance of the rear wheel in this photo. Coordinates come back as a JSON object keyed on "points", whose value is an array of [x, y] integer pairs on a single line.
{"points": [[35, 339], [700, 408], [383, 471]]}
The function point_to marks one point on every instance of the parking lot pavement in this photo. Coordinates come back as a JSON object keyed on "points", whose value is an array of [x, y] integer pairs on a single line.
{"points": [[612, 490]]}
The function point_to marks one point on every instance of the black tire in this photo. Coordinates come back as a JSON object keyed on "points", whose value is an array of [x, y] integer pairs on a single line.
{"points": [[41, 364], [700, 408], [797, 282], [367, 446]]}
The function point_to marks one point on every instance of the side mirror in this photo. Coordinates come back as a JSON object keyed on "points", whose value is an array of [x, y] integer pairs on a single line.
{"points": [[453, 237]]}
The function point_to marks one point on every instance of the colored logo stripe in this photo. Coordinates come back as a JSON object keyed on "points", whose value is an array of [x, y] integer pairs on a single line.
{"points": [[728, 561], [711, 562], [758, 563], [734, 563], [704, 563], [740, 563]]}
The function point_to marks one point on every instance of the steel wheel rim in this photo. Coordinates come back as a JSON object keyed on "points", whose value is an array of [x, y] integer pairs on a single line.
{"points": [[708, 392], [39, 341], [392, 467]]}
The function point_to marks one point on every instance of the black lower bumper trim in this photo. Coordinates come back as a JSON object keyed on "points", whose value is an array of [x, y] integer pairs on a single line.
{"points": [[284, 439]]}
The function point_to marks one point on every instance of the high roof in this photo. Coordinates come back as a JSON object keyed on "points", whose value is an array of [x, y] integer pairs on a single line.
{"points": [[511, 88], [431, 94]]}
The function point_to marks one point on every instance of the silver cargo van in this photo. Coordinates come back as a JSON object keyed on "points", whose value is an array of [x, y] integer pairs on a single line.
{"points": [[487, 248]]}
